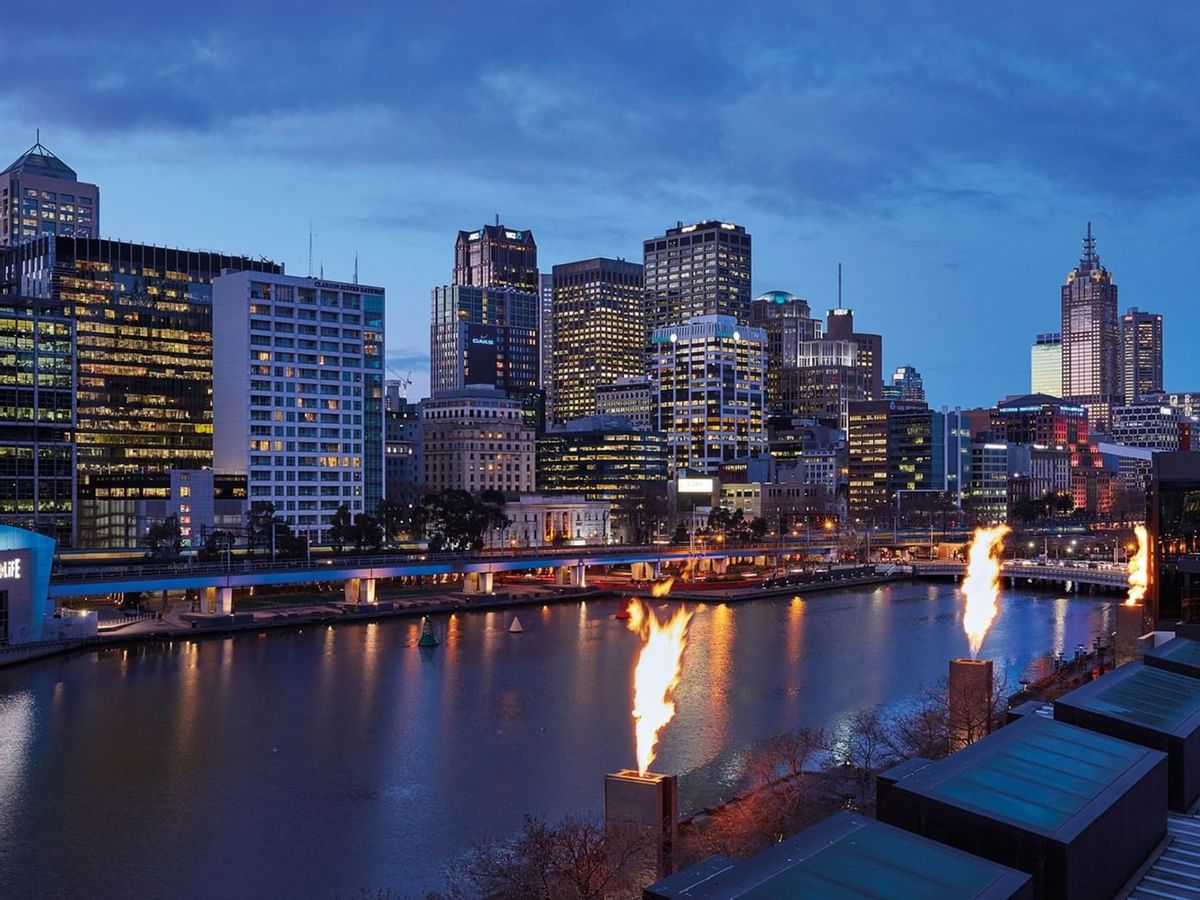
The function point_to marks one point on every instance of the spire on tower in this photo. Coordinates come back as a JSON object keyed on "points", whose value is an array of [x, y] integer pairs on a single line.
{"points": [[1090, 259]]}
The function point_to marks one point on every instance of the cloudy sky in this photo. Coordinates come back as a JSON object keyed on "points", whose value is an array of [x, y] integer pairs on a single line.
{"points": [[949, 157]]}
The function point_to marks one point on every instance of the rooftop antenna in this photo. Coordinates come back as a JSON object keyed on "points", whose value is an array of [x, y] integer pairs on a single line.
{"points": [[356, 268], [310, 256], [497, 220], [839, 285]]}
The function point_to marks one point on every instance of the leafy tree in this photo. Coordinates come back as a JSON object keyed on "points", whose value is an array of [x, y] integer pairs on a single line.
{"points": [[368, 533], [394, 517], [215, 545], [758, 528], [681, 534], [454, 520], [341, 527], [164, 538], [260, 523]]}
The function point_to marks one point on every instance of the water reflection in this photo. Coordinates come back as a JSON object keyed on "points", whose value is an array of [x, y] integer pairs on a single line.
{"points": [[16, 741]]}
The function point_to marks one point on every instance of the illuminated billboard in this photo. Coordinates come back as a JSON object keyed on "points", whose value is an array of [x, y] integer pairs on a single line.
{"points": [[694, 486]]}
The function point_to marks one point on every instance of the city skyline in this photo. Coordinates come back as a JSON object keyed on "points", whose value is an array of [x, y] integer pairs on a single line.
{"points": [[910, 218]]}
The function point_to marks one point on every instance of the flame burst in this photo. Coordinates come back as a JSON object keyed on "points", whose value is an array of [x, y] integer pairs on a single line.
{"points": [[1139, 567], [656, 674], [981, 587], [662, 588]]}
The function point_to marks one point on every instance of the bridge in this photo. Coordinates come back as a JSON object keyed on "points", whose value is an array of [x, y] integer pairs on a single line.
{"points": [[216, 582], [1016, 570]]}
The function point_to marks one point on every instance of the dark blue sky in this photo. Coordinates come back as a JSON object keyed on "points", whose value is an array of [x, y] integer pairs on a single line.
{"points": [[948, 154]]}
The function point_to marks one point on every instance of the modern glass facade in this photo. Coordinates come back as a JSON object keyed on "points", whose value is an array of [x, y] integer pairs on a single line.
{"points": [[37, 417], [143, 327], [1045, 365], [600, 337], [1174, 526], [1141, 354], [788, 323], [484, 336]]}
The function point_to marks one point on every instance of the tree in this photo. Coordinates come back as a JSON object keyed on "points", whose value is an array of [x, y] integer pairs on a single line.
{"points": [[215, 544], [865, 748], [260, 524], [454, 520], [681, 534], [164, 538], [758, 528], [368, 533], [395, 518], [574, 859], [341, 528]]}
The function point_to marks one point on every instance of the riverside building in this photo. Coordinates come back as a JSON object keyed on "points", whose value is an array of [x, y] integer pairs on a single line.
{"points": [[298, 393]]}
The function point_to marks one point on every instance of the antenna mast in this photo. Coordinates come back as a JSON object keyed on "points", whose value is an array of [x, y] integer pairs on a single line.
{"points": [[839, 285]]}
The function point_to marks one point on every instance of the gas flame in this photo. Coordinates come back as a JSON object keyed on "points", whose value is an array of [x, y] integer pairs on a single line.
{"points": [[981, 587], [656, 674], [1139, 567], [662, 588]]}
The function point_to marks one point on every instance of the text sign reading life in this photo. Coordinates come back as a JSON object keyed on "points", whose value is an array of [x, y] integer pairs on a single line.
{"points": [[10, 570]]}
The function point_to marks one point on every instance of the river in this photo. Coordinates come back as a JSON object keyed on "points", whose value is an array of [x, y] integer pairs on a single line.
{"points": [[325, 760]]}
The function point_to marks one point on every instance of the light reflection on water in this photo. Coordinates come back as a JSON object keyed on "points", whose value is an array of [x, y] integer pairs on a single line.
{"points": [[318, 762]]}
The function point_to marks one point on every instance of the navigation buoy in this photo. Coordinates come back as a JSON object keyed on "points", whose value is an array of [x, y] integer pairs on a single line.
{"points": [[428, 638], [515, 627]]}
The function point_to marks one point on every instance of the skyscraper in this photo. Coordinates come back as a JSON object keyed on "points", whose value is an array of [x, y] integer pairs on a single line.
{"points": [[143, 323], [484, 335], [40, 194], [869, 348], [697, 270], [711, 375], [906, 384], [1045, 365], [787, 321], [546, 339], [1141, 354], [496, 256], [1091, 371], [597, 321], [298, 393]]}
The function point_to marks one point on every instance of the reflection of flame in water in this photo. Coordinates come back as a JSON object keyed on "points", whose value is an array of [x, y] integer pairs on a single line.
{"points": [[662, 588], [1139, 567], [656, 674], [981, 587]]}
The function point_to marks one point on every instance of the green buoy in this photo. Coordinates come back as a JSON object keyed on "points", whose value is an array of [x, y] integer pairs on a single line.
{"points": [[428, 638]]}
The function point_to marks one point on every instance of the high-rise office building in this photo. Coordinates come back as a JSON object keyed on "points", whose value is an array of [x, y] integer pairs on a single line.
{"points": [[1151, 425], [788, 322], [868, 348], [496, 256], [298, 393], [143, 331], [1091, 365], [485, 335], [711, 376], [697, 270], [404, 469], [1042, 420], [597, 322], [1141, 354], [629, 398], [475, 439], [546, 340], [1045, 365], [906, 384], [826, 379], [37, 416], [42, 195]]}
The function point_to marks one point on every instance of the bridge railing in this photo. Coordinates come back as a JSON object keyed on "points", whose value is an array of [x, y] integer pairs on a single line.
{"points": [[243, 565]]}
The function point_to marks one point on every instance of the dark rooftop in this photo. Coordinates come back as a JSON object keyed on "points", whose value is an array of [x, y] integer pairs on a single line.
{"points": [[37, 160], [1158, 699], [1177, 655]]}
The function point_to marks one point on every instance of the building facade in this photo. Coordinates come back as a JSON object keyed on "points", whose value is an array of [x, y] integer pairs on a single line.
{"points": [[496, 256], [906, 384], [1151, 425], [546, 340], [42, 195], [606, 458], [404, 469], [711, 378], [475, 439], [1091, 363], [1141, 354], [1045, 365], [826, 379], [701, 269], [143, 333], [628, 398], [538, 520], [298, 394], [484, 336], [788, 322], [37, 417], [600, 337], [839, 325]]}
